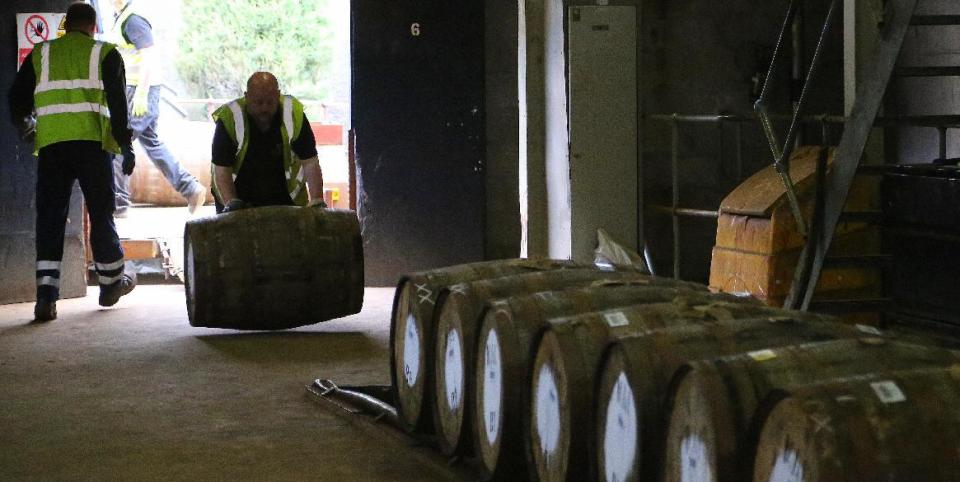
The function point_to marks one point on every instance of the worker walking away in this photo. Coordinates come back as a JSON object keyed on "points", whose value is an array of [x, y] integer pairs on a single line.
{"points": [[264, 152], [133, 34], [75, 86]]}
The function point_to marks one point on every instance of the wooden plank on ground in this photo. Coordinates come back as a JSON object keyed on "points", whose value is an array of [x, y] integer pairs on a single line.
{"points": [[139, 249]]}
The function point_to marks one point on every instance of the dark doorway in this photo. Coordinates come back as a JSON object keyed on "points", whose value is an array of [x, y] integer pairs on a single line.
{"points": [[417, 117]]}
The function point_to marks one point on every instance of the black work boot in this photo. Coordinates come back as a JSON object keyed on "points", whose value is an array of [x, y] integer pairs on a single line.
{"points": [[45, 310], [110, 294]]}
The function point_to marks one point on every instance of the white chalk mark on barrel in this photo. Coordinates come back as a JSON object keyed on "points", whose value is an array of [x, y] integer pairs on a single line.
{"points": [[424, 293], [459, 288]]}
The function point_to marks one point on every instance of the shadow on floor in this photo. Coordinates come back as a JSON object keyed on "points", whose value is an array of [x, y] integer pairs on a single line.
{"points": [[294, 347], [27, 325]]}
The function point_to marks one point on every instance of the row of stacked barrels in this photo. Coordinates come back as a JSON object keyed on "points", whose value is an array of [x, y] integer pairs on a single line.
{"points": [[550, 370]]}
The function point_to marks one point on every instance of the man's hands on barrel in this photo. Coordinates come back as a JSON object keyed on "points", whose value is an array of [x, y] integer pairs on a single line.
{"points": [[235, 204]]}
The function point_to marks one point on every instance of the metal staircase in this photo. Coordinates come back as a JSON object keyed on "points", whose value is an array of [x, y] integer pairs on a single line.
{"points": [[835, 185]]}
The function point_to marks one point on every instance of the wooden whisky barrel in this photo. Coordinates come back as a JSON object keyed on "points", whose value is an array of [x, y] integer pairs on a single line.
{"points": [[189, 143], [901, 426], [412, 329], [459, 314], [758, 243], [505, 345], [566, 364], [714, 401], [273, 268], [635, 372], [149, 186]]}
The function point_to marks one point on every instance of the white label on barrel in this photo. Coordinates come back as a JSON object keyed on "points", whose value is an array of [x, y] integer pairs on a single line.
{"points": [[787, 468], [411, 351], [548, 410], [620, 435], [762, 355], [491, 387], [869, 330], [693, 460], [453, 370], [616, 319], [888, 392]]}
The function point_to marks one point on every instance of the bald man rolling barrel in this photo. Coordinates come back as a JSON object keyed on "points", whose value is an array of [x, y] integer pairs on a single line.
{"points": [[264, 152]]}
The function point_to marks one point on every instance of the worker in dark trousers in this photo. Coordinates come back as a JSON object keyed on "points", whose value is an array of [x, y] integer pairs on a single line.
{"points": [[264, 152], [133, 35], [74, 85]]}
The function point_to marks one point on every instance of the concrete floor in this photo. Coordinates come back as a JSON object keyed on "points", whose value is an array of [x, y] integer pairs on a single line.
{"points": [[134, 392]]}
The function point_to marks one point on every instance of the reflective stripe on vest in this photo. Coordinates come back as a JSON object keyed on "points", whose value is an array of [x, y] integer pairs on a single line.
{"points": [[293, 169], [91, 82], [69, 96], [73, 108], [239, 134]]}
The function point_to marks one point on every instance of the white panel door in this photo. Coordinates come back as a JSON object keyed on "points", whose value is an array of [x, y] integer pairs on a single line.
{"points": [[603, 126]]}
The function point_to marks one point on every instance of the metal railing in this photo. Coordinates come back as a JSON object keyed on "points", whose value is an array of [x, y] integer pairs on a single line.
{"points": [[675, 210], [826, 121]]}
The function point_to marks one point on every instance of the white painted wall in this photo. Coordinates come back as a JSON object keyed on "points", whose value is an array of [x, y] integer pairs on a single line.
{"points": [[556, 134]]}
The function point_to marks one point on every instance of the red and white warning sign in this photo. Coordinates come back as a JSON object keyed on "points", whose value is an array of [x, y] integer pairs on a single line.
{"points": [[33, 28]]}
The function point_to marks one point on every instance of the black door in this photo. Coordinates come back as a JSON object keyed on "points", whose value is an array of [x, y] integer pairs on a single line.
{"points": [[18, 179], [417, 110]]}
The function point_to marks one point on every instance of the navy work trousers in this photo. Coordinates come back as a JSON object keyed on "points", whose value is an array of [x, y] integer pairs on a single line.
{"points": [[60, 165]]}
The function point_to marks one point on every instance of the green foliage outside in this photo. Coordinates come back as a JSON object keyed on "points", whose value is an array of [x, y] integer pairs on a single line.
{"points": [[223, 42]]}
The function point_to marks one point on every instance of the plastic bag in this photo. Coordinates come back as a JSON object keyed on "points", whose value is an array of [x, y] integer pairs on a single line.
{"points": [[613, 255]]}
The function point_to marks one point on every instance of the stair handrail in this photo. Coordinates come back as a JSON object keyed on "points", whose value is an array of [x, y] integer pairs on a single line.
{"points": [[781, 156]]}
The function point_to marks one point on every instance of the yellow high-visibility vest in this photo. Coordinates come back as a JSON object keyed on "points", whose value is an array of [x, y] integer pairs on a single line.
{"points": [[234, 118], [132, 58], [69, 99]]}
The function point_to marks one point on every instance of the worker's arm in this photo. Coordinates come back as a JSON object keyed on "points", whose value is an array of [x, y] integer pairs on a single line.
{"points": [[313, 175], [223, 176], [20, 96], [114, 86], [305, 147], [223, 156]]}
